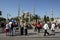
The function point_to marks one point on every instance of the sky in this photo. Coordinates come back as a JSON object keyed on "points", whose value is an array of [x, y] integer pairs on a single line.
{"points": [[42, 7]]}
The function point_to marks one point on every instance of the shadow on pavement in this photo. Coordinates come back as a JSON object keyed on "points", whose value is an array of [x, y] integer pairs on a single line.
{"points": [[57, 32], [52, 34], [32, 33], [24, 35]]}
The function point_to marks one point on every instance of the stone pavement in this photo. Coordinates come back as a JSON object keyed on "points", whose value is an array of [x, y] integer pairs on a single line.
{"points": [[32, 36]]}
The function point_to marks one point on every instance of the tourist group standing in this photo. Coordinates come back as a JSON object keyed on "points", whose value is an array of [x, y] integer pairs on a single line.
{"points": [[11, 28]]}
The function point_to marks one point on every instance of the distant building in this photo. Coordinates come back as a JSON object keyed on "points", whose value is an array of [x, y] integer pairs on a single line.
{"points": [[57, 20], [26, 15]]}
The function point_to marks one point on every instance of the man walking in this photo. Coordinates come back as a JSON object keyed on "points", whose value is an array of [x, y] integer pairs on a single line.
{"points": [[53, 28], [45, 29]]}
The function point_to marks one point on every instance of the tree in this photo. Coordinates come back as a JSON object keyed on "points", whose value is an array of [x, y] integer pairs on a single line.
{"points": [[45, 18], [48, 18], [15, 18], [2, 19], [52, 19]]}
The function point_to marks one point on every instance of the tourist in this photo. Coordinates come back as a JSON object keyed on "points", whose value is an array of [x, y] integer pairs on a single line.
{"points": [[3, 26], [22, 28], [10, 28], [38, 27], [13, 28], [25, 28], [35, 25], [45, 29], [7, 29], [53, 28]]}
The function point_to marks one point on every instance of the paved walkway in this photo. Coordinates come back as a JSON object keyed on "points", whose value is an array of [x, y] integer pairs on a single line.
{"points": [[32, 36]]}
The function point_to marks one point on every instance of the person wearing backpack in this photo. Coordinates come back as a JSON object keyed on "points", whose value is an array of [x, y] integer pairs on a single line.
{"points": [[38, 27]]}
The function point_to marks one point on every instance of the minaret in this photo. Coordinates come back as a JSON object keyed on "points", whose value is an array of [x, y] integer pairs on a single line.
{"points": [[52, 13], [19, 14], [19, 17], [34, 11], [7, 18], [19, 11]]}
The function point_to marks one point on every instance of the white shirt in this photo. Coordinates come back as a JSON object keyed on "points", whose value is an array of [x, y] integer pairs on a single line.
{"points": [[22, 25], [45, 26], [10, 24], [53, 27], [7, 27]]}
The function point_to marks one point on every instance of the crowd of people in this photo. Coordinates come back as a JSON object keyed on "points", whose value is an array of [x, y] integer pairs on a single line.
{"points": [[45, 26], [10, 28]]}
